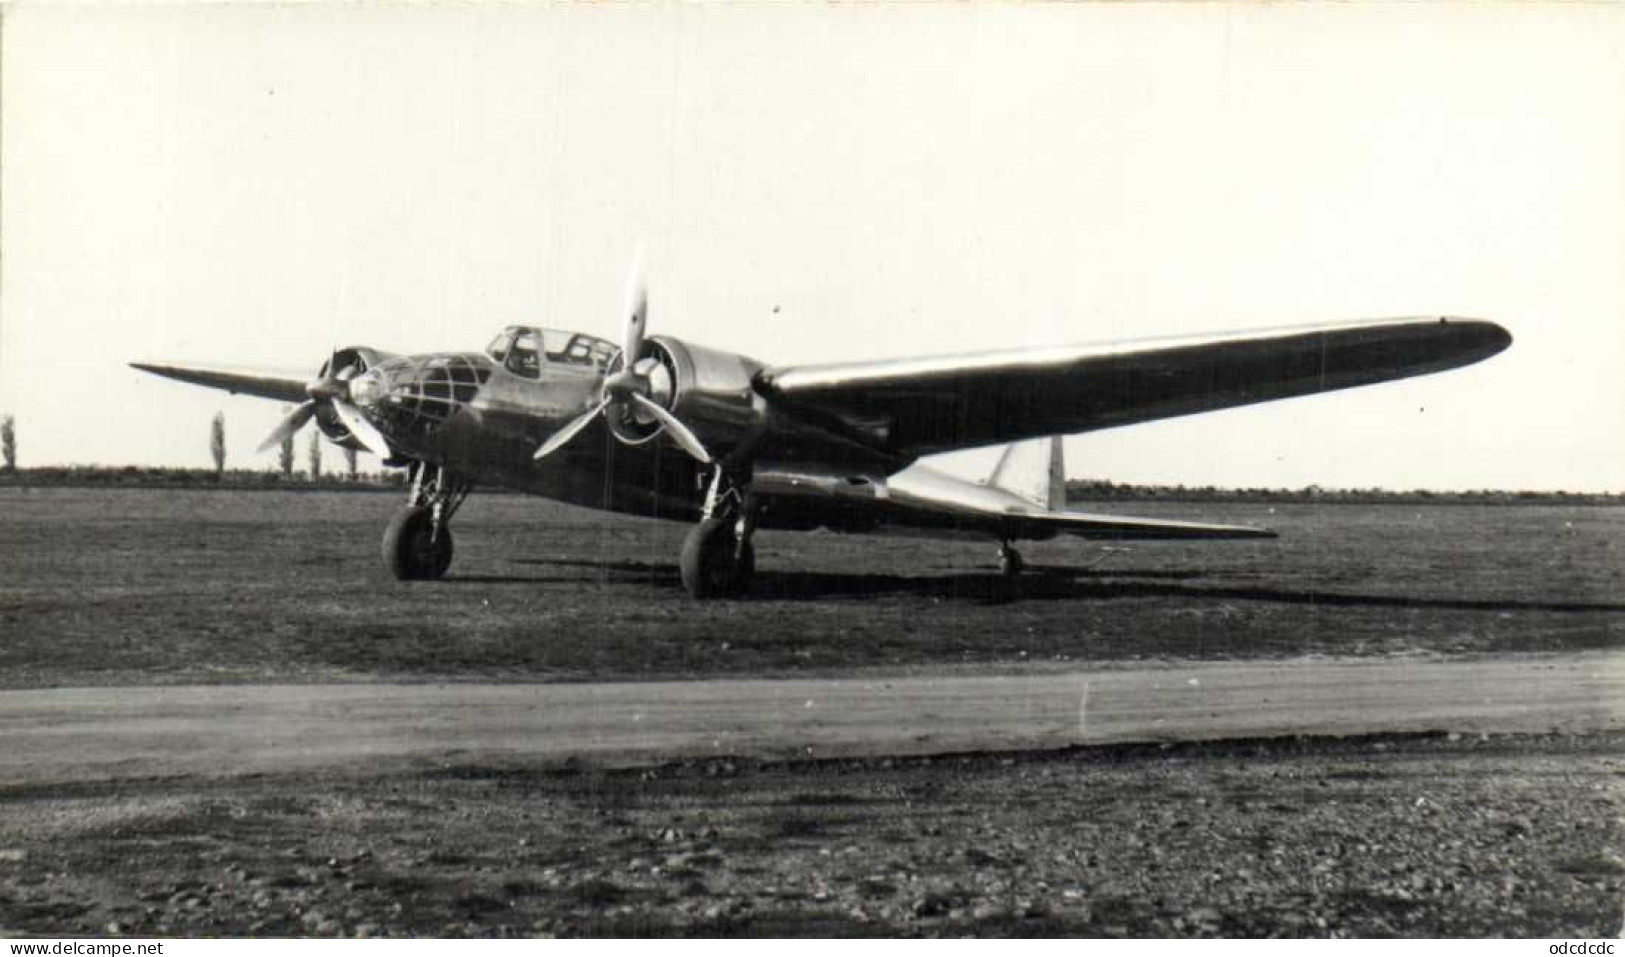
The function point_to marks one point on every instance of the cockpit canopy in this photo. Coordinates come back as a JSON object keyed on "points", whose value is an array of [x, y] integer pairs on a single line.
{"points": [[524, 350]]}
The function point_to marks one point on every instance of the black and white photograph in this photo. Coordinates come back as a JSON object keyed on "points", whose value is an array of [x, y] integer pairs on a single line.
{"points": [[735, 470]]}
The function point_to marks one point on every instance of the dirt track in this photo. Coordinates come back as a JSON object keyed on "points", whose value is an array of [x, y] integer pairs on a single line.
{"points": [[131, 731]]}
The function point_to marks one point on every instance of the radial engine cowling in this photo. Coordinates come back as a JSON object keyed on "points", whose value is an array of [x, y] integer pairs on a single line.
{"points": [[345, 364], [711, 391]]}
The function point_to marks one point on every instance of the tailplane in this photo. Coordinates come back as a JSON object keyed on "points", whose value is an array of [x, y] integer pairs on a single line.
{"points": [[1034, 470]]}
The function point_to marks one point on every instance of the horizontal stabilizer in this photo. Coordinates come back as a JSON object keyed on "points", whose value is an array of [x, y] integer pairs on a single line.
{"points": [[922, 496], [1090, 525]]}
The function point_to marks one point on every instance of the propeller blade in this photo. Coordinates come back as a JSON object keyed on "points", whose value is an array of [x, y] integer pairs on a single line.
{"points": [[326, 388], [558, 439], [637, 314], [290, 424], [365, 432], [678, 430]]}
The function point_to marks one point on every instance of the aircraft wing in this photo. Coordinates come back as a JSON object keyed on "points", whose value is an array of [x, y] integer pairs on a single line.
{"points": [[286, 386], [914, 407]]}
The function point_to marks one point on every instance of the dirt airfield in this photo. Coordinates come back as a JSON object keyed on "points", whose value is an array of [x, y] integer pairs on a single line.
{"points": [[1482, 818]]}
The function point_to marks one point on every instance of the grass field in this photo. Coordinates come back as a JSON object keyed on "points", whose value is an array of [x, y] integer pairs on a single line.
{"points": [[1410, 835], [119, 586]]}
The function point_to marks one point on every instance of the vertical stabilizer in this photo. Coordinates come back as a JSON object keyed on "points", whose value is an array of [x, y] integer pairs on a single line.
{"points": [[1034, 470]]}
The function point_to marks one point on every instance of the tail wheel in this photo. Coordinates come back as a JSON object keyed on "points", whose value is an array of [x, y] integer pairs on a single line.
{"points": [[412, 550], [713, 563]]}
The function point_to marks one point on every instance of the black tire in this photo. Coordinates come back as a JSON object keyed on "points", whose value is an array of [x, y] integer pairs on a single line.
{"points": [[708, 565], [411, 551], [745, 573]]}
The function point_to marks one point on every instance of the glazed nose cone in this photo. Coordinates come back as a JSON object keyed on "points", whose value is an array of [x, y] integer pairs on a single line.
{"points": [[368, 389]]}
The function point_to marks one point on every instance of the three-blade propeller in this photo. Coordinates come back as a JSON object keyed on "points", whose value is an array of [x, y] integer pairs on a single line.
{"points": [[333, 389], [627, 391]]}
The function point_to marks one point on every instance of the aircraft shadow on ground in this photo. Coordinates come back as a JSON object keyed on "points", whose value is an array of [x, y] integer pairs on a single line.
{"points": [[1038, 583]]}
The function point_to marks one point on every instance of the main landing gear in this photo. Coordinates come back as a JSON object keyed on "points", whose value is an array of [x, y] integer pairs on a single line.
{"points": [[1010, 563], [417, 542], [718, 559]]}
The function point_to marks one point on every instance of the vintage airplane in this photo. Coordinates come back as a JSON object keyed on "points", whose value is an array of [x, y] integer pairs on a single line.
{"points": [[667, 428]]}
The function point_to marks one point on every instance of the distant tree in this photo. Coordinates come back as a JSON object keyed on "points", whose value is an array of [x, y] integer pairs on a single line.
{"points": [[217, 442], [8, 442], [284, 458], [349, 461], [315, 454]]}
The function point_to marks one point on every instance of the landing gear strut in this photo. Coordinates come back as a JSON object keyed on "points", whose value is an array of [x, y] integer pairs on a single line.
{"points": [[417, 542], [718, 558], [1010, 563]]}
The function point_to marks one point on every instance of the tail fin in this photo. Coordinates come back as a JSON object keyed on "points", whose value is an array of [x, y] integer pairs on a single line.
{"points": [[1034, 470]]}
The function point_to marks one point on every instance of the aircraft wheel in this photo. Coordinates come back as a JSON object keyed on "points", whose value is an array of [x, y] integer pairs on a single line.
{"points": [[411, 549], [708, 565], [745, 574]]}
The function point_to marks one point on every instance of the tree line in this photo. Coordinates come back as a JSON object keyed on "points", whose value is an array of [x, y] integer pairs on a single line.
{"points": [[1101, 490], [285, 453], [217, 455], [1077, 490]]}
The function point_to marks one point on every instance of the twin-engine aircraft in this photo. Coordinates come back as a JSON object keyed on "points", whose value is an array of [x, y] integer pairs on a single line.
{"points": [[666, 428]]}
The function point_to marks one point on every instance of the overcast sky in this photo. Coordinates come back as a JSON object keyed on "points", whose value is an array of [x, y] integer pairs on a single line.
{"points": [[258, 184]]}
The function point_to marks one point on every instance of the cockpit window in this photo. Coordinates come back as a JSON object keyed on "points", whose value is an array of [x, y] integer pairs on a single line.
{"points": [[523, 350], [574, 348], [524, 358], [498, 349]]}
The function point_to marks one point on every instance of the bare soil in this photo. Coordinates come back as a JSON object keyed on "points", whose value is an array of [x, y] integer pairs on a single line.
{"points": [[1381, 836]]}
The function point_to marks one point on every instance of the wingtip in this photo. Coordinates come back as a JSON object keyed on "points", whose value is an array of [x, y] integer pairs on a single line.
{"points": [[156, 368], [1488, 338], [163, 369]]}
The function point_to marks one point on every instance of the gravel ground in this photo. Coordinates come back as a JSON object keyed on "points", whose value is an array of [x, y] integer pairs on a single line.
{"points": [[1428, 835]]}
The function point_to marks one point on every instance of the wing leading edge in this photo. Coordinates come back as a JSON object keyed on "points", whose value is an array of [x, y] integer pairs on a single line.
{"points": [[914, 407]]}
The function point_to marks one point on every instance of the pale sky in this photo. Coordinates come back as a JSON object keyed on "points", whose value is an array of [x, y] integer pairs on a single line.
{"points": [[259, 184]]}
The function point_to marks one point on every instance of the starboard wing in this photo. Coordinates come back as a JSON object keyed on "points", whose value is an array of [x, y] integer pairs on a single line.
{"points": [[914, 407]]}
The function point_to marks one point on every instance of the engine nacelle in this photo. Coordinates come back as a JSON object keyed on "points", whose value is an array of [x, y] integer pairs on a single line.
{"points": [[349, 363], [713, 393]]}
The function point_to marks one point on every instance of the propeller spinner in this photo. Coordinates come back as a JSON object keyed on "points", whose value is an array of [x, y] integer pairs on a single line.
{"points": [[629, 391]]}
